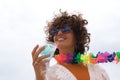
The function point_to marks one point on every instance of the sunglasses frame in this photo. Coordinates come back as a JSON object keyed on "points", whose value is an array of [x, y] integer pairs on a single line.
{"points": [[64, 29]]}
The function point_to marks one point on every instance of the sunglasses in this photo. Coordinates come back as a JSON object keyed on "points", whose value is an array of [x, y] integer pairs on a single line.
{"points": [[64, 29]]}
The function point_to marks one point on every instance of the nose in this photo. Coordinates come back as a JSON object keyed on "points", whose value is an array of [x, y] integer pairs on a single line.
{"points": [[59, 32]]}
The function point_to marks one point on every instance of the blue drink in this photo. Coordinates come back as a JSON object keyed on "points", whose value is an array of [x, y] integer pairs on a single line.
{"points": [[49, 49]]}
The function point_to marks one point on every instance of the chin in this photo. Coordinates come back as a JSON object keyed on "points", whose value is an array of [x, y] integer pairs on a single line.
{"points": [[60, 45]]}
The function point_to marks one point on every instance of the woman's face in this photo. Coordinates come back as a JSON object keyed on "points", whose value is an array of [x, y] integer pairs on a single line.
{"points": [[64, 38]]}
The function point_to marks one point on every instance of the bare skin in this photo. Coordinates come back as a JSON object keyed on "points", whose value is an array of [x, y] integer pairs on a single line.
{"points": [[39, 62], [65, 44]]}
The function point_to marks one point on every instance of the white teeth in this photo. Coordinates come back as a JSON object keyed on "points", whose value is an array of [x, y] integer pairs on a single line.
{"points": [[60, 39]]}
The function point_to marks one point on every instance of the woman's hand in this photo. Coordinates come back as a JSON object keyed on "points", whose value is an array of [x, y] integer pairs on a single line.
{"points": [[39, 62]]}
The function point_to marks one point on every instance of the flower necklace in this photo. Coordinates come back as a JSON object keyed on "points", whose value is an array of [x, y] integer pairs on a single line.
{"points": [[64, 58], [88, 58]]}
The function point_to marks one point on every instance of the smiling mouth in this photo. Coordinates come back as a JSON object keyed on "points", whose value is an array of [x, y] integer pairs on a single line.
{"points": [[61, 39]]}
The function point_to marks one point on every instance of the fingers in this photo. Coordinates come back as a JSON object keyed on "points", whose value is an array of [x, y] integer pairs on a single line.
{"points": [[36, 52], [40, 63], [39, 60], [43, 57]]}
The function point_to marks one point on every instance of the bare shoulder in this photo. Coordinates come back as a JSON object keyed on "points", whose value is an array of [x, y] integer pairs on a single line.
{"points": [[96, 72]]}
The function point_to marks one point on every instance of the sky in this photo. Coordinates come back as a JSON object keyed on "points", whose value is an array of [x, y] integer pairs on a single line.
{"points": [[22, 27]]}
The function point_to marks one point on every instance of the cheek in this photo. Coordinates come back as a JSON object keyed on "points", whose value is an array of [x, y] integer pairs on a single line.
{"points": [[72, 39], [54, 39]]}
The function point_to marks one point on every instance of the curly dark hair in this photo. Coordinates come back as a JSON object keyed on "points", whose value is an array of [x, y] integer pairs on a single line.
{"points": [[77, 24]]}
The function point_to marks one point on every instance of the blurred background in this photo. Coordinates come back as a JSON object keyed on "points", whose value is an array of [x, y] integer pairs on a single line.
{"points": [[22, 27]]}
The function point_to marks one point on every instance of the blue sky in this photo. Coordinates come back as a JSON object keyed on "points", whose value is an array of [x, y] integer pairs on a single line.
{"points": [[22, 27]]}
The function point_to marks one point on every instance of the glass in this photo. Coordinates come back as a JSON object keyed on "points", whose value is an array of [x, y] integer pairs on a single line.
{"points": [[49, 49]]}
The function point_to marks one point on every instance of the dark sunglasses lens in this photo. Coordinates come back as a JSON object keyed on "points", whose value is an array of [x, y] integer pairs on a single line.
{"points": [[65, 29], [54, 31]]}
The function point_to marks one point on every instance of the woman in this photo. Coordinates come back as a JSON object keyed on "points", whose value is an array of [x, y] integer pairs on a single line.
{"points": [[71, 36]]}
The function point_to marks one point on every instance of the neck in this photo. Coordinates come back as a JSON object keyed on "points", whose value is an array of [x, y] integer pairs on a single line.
{"points": [[66, 50]]}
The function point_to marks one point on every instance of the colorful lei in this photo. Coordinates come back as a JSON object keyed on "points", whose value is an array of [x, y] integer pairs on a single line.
{"points": [[90, 58]]}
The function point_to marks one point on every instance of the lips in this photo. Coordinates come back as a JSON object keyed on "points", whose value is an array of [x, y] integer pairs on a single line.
{"points": [[61, 39]]}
